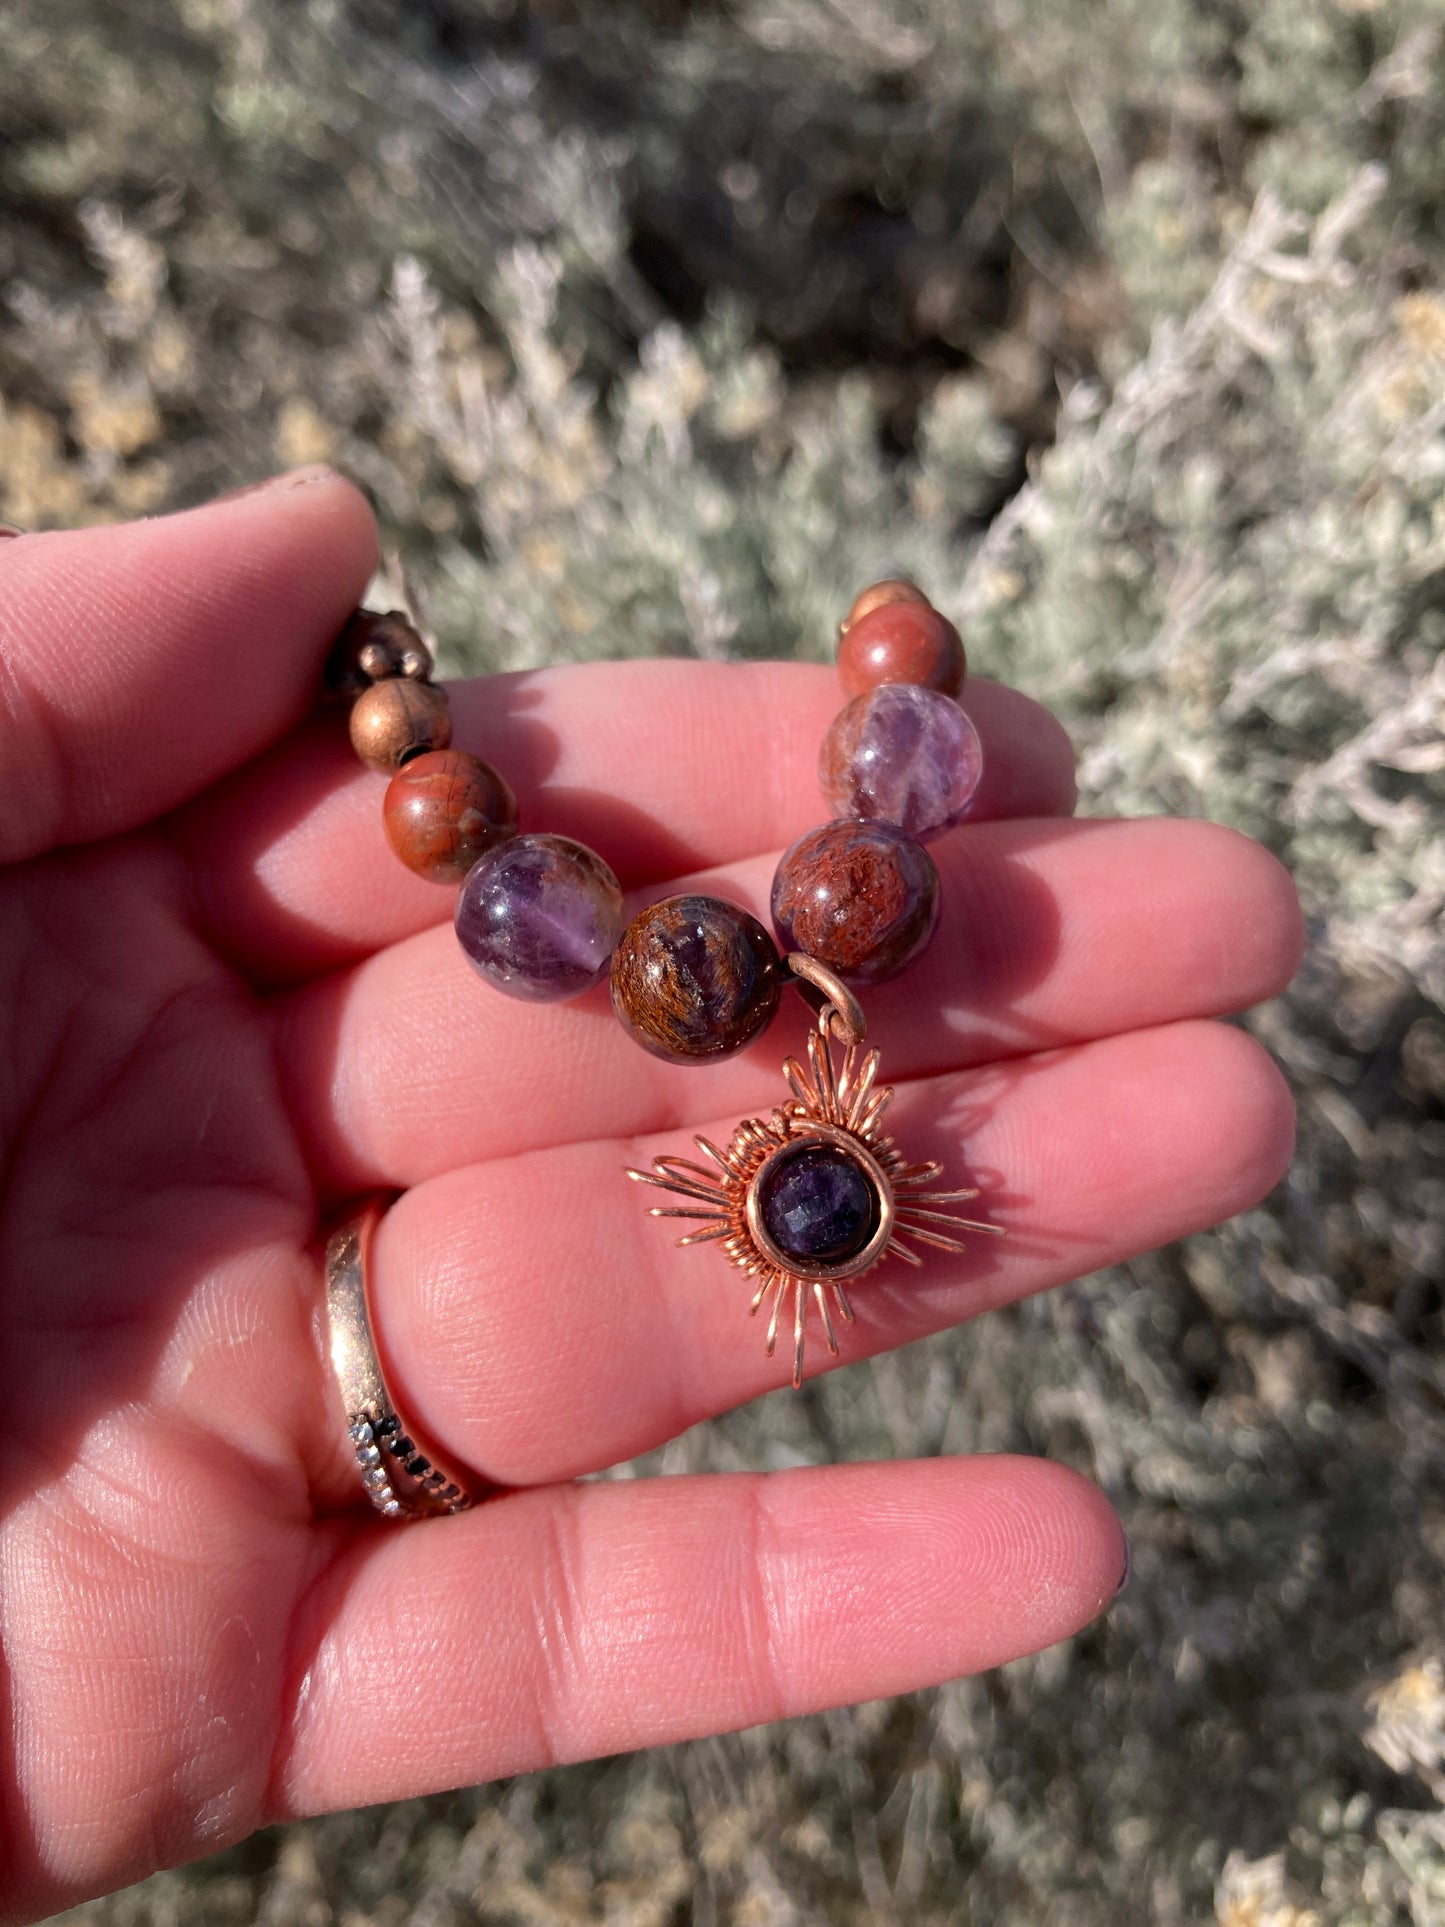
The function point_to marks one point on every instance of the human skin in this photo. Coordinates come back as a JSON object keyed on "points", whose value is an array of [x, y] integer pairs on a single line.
{"points": [[227, 1008]]}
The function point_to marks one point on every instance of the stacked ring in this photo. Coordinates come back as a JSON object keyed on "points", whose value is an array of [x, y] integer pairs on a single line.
{"points": [[403, 1479]]}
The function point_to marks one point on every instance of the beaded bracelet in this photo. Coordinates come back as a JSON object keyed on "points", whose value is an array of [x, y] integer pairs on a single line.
{"points": [[811, 1198]]}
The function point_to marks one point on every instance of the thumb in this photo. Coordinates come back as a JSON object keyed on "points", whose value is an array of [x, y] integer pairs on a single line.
{"points": [[140, 662]]}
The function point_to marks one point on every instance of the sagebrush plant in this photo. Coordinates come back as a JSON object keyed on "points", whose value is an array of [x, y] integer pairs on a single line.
{"points": [[661, 329]]}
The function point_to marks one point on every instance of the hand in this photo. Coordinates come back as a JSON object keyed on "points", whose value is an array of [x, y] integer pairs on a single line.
{"points": [[228, 1008]]}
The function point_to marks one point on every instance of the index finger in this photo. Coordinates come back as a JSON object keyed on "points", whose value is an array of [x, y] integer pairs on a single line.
{"points": [[662, 767]]}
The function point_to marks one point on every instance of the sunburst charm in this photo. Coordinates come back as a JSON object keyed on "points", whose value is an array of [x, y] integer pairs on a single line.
{"points": [[811, 1198]]}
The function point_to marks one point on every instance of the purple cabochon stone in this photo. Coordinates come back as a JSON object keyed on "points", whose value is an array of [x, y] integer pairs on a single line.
{"points": [[539, 917], [902, 754], [817, 1204]]}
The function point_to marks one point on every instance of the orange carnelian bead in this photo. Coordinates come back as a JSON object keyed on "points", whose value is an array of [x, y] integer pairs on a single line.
{"points": [[444, 810], [893, 588], [902, 642]]}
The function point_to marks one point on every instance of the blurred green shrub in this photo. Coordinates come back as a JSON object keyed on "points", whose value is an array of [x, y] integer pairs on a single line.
{"points": [[662, 327]]}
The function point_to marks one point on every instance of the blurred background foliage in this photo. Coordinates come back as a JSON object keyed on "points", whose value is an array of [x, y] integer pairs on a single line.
{"points": [[660, 327]]}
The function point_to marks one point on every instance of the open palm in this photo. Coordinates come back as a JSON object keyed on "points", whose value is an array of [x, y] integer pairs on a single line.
{"points": [[228, 1008]]}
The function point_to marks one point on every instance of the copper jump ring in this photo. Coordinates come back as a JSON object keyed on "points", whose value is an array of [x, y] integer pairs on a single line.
{"points": [[842, 1013]]}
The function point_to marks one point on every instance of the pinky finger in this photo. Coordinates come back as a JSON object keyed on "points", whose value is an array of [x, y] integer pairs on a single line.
{"points": [[569, 1622]]}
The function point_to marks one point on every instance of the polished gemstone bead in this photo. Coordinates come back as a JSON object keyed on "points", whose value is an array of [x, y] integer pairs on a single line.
{"points": [[817, 1204], [860, 897], [539, 917], [695, 978], [901, 642], [905, 754], [893, 588], [395, 720], [443, 810]]}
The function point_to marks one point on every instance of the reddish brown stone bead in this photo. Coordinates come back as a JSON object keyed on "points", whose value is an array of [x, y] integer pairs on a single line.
{"points": [[695, 978], [396, 720], [893, 588], [860, 897], [902, 642], [443, 810]]}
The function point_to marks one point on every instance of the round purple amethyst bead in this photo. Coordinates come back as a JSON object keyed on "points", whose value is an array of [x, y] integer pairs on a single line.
{"points": [[539, 917], [902, 754]]}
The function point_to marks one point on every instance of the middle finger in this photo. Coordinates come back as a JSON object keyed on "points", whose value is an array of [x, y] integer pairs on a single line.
{"points": [[661, 766], [1052, 932]]}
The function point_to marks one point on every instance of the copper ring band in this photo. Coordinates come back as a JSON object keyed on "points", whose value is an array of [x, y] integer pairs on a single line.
{"points": [[401, 1476]]}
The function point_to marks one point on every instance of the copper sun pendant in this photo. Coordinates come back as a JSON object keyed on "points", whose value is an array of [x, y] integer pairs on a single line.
{"points": [[814, 1196]]}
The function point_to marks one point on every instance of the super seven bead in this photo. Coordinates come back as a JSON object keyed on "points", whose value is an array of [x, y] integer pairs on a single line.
{"points": [[443, 810], [398, 719], [901, 642], [539, 917], [904, 754], [860, 897], [695, 978]]}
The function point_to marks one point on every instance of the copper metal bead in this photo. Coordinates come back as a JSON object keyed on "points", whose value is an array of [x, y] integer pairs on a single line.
{"points": [[397, 719], [893, 588], [902, 642], [373, 646], [694, 978], [443, 810]]}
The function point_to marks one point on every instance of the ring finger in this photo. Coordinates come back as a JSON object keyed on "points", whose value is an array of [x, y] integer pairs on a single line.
{"points": [[1052, 932], [538, 1324]]}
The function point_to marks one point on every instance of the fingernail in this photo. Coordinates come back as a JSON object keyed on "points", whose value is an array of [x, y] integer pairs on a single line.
{"points": [[283, 484], [1128, 1567]]}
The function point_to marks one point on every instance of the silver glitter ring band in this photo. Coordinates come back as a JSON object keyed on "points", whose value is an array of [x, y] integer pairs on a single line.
{"points": [[400, 1475]]}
